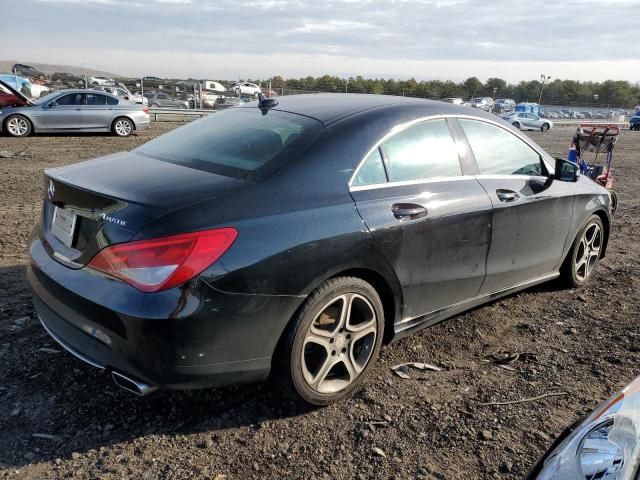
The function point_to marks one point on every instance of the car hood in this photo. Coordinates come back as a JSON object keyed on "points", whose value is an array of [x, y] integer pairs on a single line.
{"points": [[15, 92]]}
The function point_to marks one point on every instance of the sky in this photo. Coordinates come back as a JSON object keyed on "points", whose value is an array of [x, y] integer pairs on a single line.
{"points": [[424, 39]]}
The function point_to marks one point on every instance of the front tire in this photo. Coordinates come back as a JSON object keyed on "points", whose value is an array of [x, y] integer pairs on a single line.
{"points": [[584, 254], [517, 125], [18, 126], [122, 127], [333, 341]]}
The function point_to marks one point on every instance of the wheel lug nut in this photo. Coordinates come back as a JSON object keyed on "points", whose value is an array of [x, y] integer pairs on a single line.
{"points": [[344, 350], [331, 340], [349, 336], [333, 353]]}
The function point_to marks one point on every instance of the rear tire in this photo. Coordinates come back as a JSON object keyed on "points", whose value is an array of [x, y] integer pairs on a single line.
{"points": [[333, 341], [585, 253], [18, 126], [517, 125], [122, 127], [545, 127]]}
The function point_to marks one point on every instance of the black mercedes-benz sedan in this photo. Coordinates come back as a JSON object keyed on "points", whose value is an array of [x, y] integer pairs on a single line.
{"points": [[290, 237]]}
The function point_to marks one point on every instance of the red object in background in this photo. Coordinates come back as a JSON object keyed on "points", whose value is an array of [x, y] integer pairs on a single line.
{"points": [[9, 100]]}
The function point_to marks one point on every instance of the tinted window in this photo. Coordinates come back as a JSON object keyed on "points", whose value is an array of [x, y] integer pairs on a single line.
{"points": [[371, 171], [71, 99], [499, 152], [96, 99], [425, 150], [112, 101], [238, 142]]}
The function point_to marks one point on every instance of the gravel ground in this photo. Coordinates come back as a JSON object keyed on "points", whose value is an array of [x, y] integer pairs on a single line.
{"points": [[60, 418]]}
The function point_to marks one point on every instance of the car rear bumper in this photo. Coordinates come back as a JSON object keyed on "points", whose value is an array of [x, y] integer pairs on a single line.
{"points": [[191, 337], [144, 125]]}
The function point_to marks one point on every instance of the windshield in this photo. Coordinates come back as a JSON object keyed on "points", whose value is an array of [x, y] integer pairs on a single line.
{"points": [[239, 142]]}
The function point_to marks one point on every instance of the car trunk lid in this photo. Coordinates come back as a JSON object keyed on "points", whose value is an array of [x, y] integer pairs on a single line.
{"points": [[93, 204]]}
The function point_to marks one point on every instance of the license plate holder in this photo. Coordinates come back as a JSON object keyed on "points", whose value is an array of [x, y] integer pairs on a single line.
{"points": [[63, 225]]}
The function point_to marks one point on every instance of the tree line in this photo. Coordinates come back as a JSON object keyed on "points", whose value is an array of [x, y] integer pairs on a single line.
{"points": [[613, 93]]}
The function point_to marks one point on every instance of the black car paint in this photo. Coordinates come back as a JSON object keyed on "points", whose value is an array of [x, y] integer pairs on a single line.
{"points": [[296, 228]]}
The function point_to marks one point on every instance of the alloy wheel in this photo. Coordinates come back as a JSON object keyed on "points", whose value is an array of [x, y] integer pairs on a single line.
{"points": [[18, 126], [588, 252], [123, 127], [339, 343]]}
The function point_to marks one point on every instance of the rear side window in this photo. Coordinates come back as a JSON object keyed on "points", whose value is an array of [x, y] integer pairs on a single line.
{"points": [[499, 152], [96, 99], [112, 101], [237, 142], [371, 171], [423, 151]]}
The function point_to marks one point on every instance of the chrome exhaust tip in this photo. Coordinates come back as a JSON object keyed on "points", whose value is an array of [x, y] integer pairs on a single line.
{"points": [[134, 386]]}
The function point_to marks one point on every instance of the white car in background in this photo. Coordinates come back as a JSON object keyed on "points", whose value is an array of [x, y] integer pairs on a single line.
{"points": [[528, 121], [122, 93], [213, 86], [245, 88], [100, 81]]}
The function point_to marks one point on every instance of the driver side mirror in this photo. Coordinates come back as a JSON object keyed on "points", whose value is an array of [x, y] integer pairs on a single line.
{"points": [[566, 171], [52, 104]]}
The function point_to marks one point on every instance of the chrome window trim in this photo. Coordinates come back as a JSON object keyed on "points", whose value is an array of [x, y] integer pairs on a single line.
{"points": [[508, 177], [403, 126], [404, 183]]}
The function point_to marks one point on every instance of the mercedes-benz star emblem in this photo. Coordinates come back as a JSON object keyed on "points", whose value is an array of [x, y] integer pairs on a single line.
{"points": [[51, 191]]}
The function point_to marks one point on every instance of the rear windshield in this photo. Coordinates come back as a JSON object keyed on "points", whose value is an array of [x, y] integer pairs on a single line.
{"points": [[238, 142]]}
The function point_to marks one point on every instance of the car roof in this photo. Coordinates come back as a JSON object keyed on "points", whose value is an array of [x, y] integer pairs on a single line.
{"points": [[330, 108]]}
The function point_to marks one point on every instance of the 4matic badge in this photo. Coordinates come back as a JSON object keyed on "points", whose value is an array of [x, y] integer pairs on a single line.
{"points": [[117, 221]]}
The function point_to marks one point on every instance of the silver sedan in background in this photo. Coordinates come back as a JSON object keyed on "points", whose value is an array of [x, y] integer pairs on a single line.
{"points": [[528, 121], [72, 111]]}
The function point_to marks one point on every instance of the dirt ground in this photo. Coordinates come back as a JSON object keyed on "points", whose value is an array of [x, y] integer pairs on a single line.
{"points": [[60, 418]]}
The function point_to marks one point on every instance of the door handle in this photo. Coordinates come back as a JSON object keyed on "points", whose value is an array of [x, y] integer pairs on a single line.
{"points": [[410, 211], [507, 195]]}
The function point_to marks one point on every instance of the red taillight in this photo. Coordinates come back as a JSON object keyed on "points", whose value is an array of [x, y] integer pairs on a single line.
{"points": [[145, 110], [161, 263]]}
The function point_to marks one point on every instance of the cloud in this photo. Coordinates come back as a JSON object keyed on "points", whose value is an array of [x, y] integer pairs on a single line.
{"points": [[418, 32], [331, 26]]}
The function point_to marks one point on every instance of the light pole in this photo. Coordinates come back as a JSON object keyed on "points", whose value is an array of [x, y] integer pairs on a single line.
{"points": [[543, 79], [346, 86]]}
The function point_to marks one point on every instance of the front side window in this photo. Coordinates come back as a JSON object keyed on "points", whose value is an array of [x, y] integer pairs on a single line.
{"points": [[423, 151], [499, 152], [71, 99]]}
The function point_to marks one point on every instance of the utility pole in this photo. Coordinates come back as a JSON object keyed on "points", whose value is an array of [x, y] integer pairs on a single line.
{"points": [[543, 79]]}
